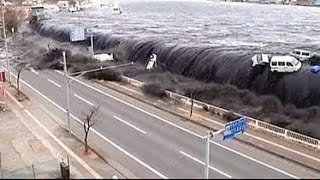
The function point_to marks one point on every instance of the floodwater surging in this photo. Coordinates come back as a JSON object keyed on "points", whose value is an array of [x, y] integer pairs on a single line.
{"points": [[217, 64]]}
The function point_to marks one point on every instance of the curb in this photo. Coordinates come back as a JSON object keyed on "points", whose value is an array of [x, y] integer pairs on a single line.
{"points": [[108, 160], [209, 127]]}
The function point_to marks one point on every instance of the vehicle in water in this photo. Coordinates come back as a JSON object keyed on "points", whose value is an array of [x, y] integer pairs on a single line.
{"points": [[277, 63], [300, 54], [103, 57], [260, 59], [284, 64]]}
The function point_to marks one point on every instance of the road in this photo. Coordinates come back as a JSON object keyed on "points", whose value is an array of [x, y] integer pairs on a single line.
{"points": [[160, 143]]}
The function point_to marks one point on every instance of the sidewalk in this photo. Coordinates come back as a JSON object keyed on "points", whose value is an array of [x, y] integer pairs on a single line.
{"points": [[20, 149], [31, 137]]}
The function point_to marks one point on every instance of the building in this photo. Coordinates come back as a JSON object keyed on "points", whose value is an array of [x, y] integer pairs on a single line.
{"points": [[305, 2], [38, 12], [63, 6]]}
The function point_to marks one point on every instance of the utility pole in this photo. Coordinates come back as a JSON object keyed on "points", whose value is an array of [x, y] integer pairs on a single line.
{"points": [[91, 41], [207, 151], [67, 88], [207, 155], [69, 80], [5, 40]]}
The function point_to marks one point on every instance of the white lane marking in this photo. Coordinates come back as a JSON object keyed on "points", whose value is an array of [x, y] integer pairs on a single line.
{"points": [[54, 83], [124, 151], [125, 122], [179, 127], [96, 132], [34, 71], [84, 100], [255, 160], [83, 163], [213, 168], [130, 105]]}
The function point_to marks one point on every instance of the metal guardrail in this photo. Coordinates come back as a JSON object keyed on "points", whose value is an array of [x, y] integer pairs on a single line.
{"points": [[285, 133]]}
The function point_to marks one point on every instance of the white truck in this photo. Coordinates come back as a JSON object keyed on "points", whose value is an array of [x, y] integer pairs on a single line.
{"points": [[277, 63]]}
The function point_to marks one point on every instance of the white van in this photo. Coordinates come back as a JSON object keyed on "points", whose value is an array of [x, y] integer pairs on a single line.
{"points": [[284, 64], [300, 54]]}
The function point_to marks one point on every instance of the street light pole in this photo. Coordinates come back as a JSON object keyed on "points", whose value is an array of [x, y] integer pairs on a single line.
{"points": [[91, 41], [67, 89], [5, 41], [207, 155], [67, 81], [207, 151]]}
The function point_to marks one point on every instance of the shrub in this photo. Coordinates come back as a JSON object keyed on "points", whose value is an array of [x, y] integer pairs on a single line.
{"points": [[154, 90], [270, 104], [108, 75], [280, 120], [248, 98], [312, 113], [230, 116], [300, 127], [78, 58], [13, 18]]}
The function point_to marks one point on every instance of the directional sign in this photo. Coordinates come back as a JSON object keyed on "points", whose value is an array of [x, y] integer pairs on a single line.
{"points": [[234, 128], [77, 34]]}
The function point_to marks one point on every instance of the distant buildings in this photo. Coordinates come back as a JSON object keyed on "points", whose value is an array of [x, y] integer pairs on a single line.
{"points": [[287, 2], [305, 2], [63, 6], [317, 3], [37, 12]]}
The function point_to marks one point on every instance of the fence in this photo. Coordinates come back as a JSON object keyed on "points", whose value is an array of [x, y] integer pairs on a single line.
{"points": [[285, 133]]}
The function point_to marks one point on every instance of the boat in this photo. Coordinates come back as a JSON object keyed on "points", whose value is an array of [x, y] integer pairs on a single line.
{"points": [[116, 9]]}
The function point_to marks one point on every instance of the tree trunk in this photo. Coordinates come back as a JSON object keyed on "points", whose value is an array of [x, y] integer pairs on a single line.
{"points": [[191, 107], [86, 143], [18, 82]]}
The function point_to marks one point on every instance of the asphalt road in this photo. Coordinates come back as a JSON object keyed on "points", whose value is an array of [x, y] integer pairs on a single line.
{"points": [[167, 146]]}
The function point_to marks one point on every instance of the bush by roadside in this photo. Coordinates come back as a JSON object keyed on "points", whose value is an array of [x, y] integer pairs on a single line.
{"points": [[108, 75], [154, 90], [230, 116]]}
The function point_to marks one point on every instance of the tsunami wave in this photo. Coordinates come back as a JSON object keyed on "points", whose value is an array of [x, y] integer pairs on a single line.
{"points": [[207, 64]]}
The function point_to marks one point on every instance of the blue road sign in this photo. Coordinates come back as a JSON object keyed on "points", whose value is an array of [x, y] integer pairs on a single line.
{"points": [[234, 128]]}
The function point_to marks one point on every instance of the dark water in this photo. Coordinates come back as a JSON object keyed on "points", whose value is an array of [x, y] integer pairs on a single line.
{"points": [[210, 41]]}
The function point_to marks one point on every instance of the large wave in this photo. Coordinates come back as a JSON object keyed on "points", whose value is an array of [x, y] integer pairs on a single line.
{"points": [[207, 64]]}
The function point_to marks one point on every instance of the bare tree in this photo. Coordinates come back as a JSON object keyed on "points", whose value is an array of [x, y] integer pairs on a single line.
{"points": [[88, 124], [20, 67]]}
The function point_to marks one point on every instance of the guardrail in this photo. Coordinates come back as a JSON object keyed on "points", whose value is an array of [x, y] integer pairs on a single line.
{"points": [[282, 132]]}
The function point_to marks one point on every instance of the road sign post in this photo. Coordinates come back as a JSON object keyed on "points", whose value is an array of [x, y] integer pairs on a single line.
{"points": [[231, 130]]}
